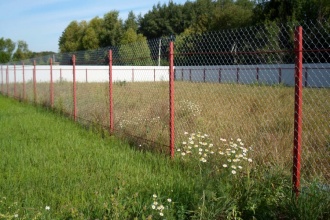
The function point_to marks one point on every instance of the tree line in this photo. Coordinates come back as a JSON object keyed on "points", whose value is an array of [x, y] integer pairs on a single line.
{"points": [[169, 21], [191, 17], [16, 51]]}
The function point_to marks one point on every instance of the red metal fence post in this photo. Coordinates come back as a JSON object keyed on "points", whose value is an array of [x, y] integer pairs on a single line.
{"points": [[34, 83], [110, 95], [171, 88], [51, 92], [74, 87], [15, 81], [23, 73], [298, 110]]}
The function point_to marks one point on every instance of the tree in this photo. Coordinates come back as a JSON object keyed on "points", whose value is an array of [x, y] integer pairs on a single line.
{"points": [[90, 39], [112, 29], [232, 14], [22, 51], [71, 37], [162, 20], [7, 46], [131, 22], [134, 49], [283, 11]]}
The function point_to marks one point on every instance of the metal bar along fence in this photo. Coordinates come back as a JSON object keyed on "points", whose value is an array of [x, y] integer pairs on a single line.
{"points": [[230, 88]]}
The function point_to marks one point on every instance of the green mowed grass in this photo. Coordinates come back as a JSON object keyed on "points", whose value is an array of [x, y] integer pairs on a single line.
{"points": [[47, 160]]}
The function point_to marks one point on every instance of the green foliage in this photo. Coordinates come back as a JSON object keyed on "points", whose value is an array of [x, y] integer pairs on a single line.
{"points": [[7, 47], [70, 39], [134, 49]]}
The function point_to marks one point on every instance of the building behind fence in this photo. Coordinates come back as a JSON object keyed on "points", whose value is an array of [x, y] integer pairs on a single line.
{"points": [[267, 85]]}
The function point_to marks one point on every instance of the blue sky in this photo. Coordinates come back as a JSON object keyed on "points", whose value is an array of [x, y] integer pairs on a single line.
{"points": [[40, 23]]}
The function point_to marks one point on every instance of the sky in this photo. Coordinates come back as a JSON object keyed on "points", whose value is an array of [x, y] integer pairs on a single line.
{"points": [[40, 23]]}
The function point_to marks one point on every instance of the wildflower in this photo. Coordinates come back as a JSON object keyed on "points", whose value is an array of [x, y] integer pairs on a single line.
{"points": [[210, 145], [154, 195], [233, 172], [153, 207], [221, 153], [250, 160], [183, 153], [178, 149], [189, 147], [202, 160], [222, 139], [229, 160], [225, 165], [184, 143], [169, 200], [185, 133], [196, 145], [239, 140], [16, 216], [234, 167], [200, 149], [240, 167], [161, 214], [47, 208]]}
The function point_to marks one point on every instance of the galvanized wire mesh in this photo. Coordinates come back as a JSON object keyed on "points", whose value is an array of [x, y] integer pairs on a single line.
{"points": [[229, 84]]}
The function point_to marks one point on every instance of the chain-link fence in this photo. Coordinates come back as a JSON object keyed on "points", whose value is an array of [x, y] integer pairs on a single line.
{"points": [[231, 84]]}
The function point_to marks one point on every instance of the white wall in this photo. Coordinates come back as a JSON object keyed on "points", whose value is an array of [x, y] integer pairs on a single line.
{"points": [[318, 75], [94, 73]]}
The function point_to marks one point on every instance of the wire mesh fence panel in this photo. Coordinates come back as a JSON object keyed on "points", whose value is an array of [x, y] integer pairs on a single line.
{"points": [[63, 90], [28, 77], [141, 97], [42, 85], [93, 95], [240, 84]]}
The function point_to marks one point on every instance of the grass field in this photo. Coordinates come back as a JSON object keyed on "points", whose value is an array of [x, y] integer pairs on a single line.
{"points": [[52, 168]]}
